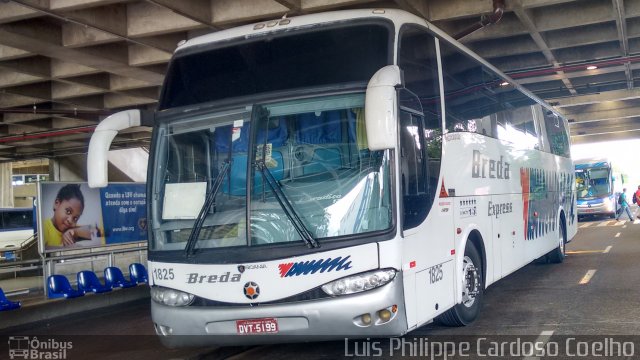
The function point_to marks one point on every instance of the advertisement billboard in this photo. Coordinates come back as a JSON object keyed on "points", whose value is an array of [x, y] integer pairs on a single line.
{"points": [[73, 215]]}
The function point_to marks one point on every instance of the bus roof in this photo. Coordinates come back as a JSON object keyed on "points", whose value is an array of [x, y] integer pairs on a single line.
{"points": [[591, 162], [16, 209], [265, 27], [397, 16]]}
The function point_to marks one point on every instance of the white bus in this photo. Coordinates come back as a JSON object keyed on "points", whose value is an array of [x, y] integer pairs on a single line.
{"points": [[354, 173], [17, 226], [597, 187]]}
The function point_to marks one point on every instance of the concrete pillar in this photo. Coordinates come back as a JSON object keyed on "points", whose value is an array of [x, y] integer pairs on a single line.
{"points": [[6, 189], [62, 170], [132, 162]]}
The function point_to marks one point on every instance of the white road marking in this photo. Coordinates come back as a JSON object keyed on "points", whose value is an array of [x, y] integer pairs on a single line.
{"points": [[617, 235], [604, 223], [589, 224], [607, 249], [587, 277]]}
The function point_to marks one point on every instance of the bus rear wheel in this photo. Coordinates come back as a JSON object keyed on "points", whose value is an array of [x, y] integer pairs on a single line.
{"points": [[468, 310], [557, 255]]}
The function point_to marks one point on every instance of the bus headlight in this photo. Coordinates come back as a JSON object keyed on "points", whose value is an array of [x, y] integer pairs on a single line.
{"points": [[358, 283], [171, 297]]}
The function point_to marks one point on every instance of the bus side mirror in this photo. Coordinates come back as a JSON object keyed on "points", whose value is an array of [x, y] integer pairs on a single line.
{"points": [[381, 107], [103, 135]]}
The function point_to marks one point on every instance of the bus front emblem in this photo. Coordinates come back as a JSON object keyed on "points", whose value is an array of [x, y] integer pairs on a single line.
{"points": [[251, 290]]}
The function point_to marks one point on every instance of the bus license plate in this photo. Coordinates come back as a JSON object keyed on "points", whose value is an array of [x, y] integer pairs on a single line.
{"points": [[257, 326]]}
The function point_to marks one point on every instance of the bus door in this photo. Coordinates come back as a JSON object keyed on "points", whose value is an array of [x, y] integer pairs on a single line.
{"points": [[428, 264]]}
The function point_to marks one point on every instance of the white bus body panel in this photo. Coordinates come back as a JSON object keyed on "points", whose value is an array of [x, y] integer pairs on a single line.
{"points": [[277, 279], [330, 317], [492, 195], [428, 264], [494, 207]]}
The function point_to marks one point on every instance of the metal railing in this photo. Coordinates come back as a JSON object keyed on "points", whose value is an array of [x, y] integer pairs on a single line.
{"points": [[46, 263]]}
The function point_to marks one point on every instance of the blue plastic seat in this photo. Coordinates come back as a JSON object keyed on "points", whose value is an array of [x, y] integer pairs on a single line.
{"points": [[138, 273], [6, 304], [113, 278], [59, 287], [88, 282]]}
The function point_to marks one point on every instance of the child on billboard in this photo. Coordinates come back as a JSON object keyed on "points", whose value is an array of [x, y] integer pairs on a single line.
{"points": [[62, 229]]}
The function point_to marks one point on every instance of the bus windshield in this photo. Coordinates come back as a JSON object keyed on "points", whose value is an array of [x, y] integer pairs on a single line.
{"points": [[304, 163], [592, 183]]}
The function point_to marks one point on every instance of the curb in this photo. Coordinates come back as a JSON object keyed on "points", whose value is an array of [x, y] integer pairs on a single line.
{"points": [[53, 308]]}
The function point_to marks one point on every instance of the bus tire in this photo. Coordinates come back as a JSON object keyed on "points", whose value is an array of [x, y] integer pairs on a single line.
{"points": [[467, 311], [557, 255]]}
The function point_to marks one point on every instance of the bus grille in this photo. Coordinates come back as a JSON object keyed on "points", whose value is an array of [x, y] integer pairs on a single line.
{"points": [[313, 294]]}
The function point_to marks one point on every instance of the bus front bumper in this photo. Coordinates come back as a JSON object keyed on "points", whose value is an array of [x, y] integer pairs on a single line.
{"points": [[596, 209], [315, 320]]}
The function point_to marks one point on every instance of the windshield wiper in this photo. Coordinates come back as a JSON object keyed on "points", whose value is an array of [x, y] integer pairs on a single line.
{"points": [[286, 206], [209, 201]]}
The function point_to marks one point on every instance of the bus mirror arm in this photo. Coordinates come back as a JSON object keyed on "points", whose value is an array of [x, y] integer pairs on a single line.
{"points": [[381, 108], [103, 135]]}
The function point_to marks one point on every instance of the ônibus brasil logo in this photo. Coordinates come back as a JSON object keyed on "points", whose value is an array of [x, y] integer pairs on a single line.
{"points": [[25, 347], [314, 266]]}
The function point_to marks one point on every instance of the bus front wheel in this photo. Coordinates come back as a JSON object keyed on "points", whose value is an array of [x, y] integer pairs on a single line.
{"points": [[467, 311]]}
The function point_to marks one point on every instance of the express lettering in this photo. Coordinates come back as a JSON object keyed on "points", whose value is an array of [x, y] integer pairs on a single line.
{"points": [[195, 278], [497, 209], [484, 167]]}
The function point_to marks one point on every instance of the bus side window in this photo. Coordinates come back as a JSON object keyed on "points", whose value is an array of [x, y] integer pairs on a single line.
{"points": [[557, 134], [480, 101], [518, 127]]}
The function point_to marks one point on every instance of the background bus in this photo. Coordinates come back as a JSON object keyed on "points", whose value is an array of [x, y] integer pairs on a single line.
{"points": [[357, 173], [17, 230], [597, 187]]}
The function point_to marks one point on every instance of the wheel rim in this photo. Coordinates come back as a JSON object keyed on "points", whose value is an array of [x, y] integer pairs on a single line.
{"points": [[471, 286]]}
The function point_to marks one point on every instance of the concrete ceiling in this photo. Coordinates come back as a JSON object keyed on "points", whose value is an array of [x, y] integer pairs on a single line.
{"points": [[65, 64]]}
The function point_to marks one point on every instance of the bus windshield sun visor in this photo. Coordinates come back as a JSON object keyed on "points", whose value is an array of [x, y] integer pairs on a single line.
{"points": [[209, 201], [287, 207]]}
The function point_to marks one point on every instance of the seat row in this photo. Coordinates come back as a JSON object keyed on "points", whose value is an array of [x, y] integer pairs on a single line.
{"points": [[6, 304], [59, 286]]}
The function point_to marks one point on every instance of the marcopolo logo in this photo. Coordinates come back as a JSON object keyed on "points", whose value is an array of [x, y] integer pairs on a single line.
{"points": [[251, 290], [25, 347], [314, 266]]}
